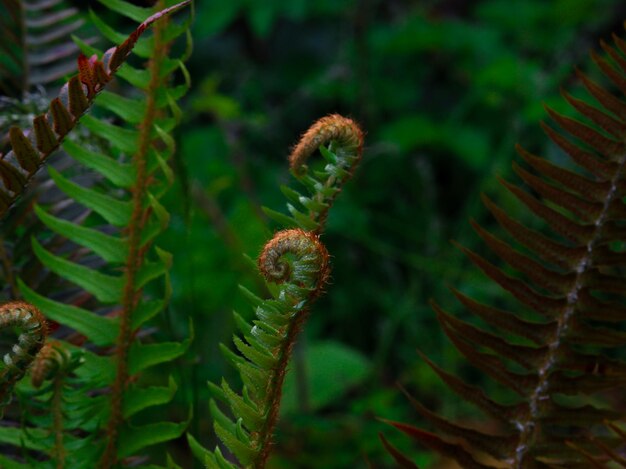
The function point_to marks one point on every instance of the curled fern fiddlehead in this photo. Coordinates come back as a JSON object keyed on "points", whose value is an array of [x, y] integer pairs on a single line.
{"points": [[51, 360], [340, 142], [298, 262], [346, 134], [311, 269], [50, 376], [31, 323]]}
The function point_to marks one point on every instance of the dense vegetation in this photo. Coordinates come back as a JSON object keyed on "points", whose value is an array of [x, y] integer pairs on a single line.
{"points": [[443, 90]]}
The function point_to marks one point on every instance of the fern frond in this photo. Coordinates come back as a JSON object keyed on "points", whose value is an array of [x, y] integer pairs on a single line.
{"points": [[31, 148], [53, 404], [267, 346], [296, 262], [571, 289], [123, 259], [48, 48]]}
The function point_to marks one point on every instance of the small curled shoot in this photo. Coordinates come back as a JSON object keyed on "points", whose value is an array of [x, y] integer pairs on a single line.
{"points": [[33, 329], [344, 132], [298, 261], [308, 269], [339, 141], [52, 360]]}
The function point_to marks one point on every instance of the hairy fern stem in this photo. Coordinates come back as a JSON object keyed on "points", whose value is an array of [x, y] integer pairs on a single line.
{"points": [[57, 421], [136, 252], [276, 387], [298, 243]]}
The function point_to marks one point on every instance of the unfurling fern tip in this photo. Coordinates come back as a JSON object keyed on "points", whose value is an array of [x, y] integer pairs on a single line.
{"points": [[311, 268]]}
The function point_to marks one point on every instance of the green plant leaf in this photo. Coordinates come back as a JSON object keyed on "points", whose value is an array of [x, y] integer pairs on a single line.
{"points": [[120, 174], [137, 399], [129, 109], [110, 248], [104, 287], [145, 356], [119, 137], [115, 212], [99, 329], [133, 439], [128, 10]]}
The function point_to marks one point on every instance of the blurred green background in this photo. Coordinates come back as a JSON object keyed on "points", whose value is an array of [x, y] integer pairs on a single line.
{"points": [[444, 89]]}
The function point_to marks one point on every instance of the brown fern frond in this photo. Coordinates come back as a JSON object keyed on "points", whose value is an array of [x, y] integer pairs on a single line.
{"points": [[572, 279]]}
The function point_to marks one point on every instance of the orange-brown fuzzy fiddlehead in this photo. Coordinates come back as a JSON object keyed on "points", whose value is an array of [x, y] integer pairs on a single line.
{"points": [[344, 132], [340, 142], [297, 261], [32, 326], [51, 360], [309, 269]]}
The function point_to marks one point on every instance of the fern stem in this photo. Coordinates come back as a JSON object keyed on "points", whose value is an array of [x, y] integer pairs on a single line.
{"points": [[529, 424], [7, 270], [276, 389], [57, 421], [313, 278], [135, 251]]}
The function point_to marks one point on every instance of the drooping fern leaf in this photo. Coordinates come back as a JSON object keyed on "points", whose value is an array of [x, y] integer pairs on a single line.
{"points": [[571, 289], [295, 263], [31, 148]]}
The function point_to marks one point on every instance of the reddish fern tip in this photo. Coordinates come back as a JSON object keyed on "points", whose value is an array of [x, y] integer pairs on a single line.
{"points": [[346, 132]]}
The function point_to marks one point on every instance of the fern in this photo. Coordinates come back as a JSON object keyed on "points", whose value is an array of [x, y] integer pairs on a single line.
{"points": [[54, 391], [132, 206], [36, 44], [32, 336], [345, 146], [572, 287], [297, 262], [30, 149], [607, 454]]}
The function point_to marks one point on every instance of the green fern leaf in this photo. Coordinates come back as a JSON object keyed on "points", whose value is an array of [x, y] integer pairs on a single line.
{"points": [[295, 265]]}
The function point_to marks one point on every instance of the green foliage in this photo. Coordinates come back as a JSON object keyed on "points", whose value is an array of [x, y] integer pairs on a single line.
{"points": [[444, 90], [130, 263]]}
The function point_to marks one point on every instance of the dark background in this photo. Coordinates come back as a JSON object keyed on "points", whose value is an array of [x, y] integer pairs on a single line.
{"points": [[443, 89]]}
